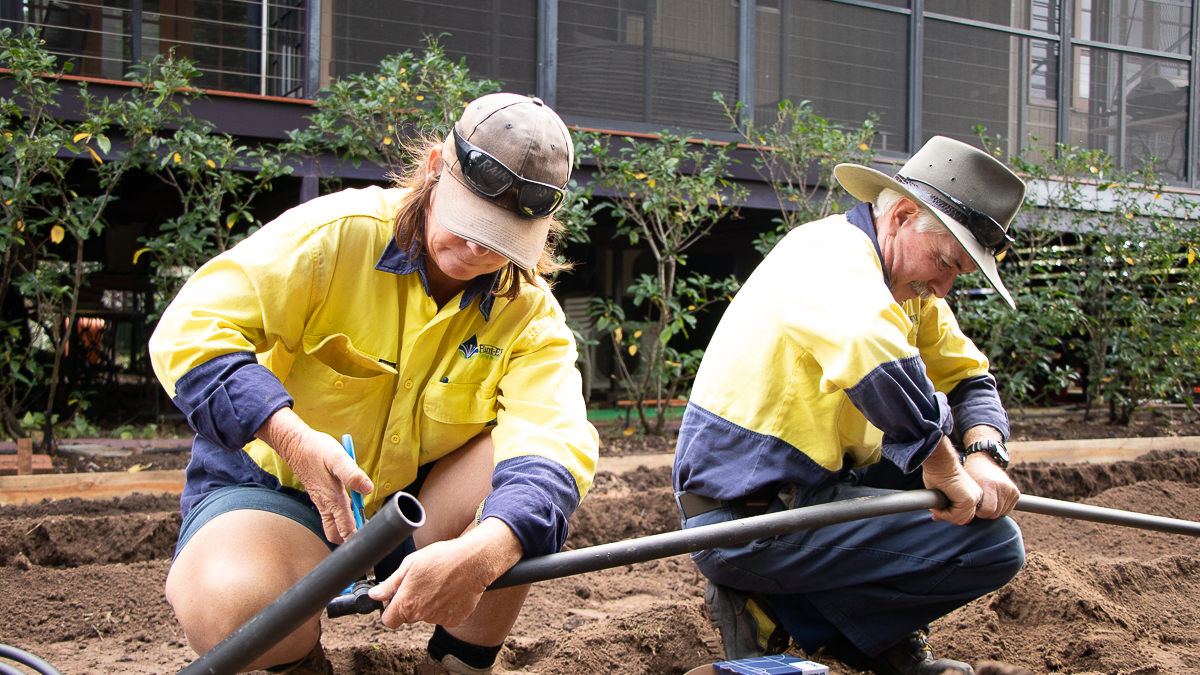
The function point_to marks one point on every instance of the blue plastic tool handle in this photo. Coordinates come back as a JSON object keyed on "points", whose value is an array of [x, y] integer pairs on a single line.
{"points": [[355, 498]]}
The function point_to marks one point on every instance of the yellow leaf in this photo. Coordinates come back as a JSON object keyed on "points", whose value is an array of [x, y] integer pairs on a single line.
{"points": [[389, 128], [387, 141], [391, 99], [211, 164], [1158, 195], [405, 85], [617, 334], [640, 176], [1191, 255], [1106, 379], [20, 226], [632, 194], [1129, 216], [1191, 300], [137, 254], [691, 307], [651, 182], [420, 98], [673, 364], [82, 134], [95, 156], [1093, 169], [632, 350], [629, 431], [1108, 248], [1129, 260], [1124, 297], [137, 467], [637, 334], [8, 202], [178, 159], [57, 233], [402, 70], [1000, 258], [863, 146], [382, 78]]}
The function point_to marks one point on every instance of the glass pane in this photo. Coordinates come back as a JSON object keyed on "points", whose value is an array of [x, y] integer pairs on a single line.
{"points": [[974, 76], [650, 61], [223, 37], [1041, 15], [1132, 107], [849, 61], [1161, 25], [498, 38]]}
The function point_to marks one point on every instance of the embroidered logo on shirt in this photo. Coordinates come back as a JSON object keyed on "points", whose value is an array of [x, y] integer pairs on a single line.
{"points": [[471, 347]]}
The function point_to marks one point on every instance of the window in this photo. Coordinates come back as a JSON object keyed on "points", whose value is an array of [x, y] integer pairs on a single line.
{"points": [[848, 61], [655, 62], [498, 38]]}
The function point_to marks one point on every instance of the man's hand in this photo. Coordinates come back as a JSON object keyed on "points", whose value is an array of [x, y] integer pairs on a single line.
{"points": [[443, 582], [943, 471], [323, 467], [999, 493]]}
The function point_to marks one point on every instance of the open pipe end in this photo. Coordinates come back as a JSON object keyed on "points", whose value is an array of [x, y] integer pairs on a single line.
{"points": [[408, 508]]}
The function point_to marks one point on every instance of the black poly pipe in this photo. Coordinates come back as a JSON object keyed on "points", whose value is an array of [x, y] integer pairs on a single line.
{"points": [[394, 522], [728, 533], [668, 544], [1099, 514], [25, 658]]}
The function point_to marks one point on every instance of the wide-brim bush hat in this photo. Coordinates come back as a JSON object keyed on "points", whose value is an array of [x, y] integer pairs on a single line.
{"points": [[528, 139], [970, 191]]}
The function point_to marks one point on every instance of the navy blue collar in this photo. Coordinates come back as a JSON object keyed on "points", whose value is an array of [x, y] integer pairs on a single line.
{"points": [[863, 218], [483, 287]]}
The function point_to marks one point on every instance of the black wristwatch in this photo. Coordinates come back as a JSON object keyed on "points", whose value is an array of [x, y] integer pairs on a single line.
{"points": [[993, 449]]}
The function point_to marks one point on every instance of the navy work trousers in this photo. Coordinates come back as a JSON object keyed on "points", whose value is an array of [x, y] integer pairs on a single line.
{"points": [[874, 581]]}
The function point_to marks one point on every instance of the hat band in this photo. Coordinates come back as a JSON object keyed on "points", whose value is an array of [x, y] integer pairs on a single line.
{"points": [[989, 233]]}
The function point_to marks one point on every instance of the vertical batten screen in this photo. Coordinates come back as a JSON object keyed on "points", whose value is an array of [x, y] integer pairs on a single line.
{"points": [[498, 38], [847, 61], [653, 62], [976, 76]]}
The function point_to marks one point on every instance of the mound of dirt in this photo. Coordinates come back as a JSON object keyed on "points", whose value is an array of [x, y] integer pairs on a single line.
{"points": [[83, 588]]}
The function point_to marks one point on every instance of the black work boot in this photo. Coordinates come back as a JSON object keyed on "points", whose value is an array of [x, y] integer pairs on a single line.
{"points": [[746, 622], [910, 656]]}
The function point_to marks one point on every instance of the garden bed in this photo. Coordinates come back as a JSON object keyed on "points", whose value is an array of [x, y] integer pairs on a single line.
{"points": [[83, 583]]}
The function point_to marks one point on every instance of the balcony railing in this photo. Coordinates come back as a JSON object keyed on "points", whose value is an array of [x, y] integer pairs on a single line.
{"points": [[250, 46]]}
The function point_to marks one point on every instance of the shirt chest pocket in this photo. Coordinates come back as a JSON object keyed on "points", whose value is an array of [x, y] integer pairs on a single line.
{"points": [[339, 391], [452, 415]]}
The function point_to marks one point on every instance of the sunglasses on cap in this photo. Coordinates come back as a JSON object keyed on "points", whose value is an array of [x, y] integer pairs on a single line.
{"points": [[989, 233], [491, 178]]}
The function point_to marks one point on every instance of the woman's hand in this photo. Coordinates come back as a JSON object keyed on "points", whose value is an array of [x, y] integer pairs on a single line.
{"points": [[443, 582], [323, 467]]}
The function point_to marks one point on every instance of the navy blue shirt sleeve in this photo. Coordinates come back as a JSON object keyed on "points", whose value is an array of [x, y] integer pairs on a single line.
{"points": [[228, 398], [534, 496], [976, 401], [898, 398]]}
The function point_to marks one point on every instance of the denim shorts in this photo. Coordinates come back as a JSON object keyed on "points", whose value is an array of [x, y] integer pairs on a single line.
{"points": [[295, 506]]}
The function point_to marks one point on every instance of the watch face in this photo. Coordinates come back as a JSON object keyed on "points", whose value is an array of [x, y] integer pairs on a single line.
{"points": [[1001, 451]]}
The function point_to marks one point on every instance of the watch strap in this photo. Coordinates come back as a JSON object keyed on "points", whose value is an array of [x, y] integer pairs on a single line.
{"points": [[992, 448]]}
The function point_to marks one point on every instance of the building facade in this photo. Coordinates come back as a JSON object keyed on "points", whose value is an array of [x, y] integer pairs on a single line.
{"points": [[1116, 75]]}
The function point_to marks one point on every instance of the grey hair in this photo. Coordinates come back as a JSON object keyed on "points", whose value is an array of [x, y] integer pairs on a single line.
{"points": [[925, 221]]}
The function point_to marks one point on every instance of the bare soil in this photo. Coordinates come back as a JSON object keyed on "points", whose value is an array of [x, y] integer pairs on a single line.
{"points": [[82, 583]]}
